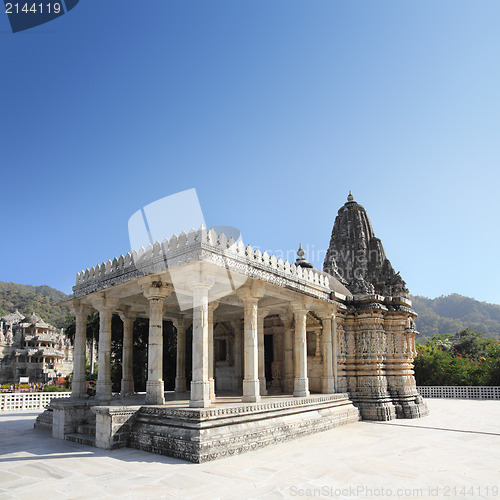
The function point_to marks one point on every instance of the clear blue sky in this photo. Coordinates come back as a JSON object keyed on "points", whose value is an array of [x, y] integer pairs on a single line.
{"points": [[272, 110]]}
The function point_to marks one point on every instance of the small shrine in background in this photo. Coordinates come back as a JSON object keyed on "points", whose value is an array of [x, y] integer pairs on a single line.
{"points": [[31, 348]]}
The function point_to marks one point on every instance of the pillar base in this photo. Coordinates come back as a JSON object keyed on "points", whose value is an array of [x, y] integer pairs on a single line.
{"points": [[211, 381], [78, 389], [251, 391], [180, 384], [127, 387], [328, 385], [251, 399], [301, 388], [103, 391], [288, 386], [200, 395], [263, 388], [155, 392]]}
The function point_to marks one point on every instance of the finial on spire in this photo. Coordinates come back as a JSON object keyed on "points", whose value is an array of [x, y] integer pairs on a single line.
{"points": [[301, 261], [350, 197], [300, 252]]}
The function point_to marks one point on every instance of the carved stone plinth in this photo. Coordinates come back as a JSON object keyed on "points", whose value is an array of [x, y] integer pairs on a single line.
{"points": [[208, 434]]}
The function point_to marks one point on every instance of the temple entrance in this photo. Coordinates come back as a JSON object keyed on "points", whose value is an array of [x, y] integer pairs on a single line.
{"points": [[268, 358]]}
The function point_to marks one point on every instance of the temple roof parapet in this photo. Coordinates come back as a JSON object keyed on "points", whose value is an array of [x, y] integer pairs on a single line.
{"points": [[206, 245]]}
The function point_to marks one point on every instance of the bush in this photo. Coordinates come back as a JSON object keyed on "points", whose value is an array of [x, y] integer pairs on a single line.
{"points": [[470, 361], [55, 388]]}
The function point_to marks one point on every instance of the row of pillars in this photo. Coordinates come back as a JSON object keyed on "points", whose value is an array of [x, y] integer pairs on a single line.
{"points": [[202, 384]]}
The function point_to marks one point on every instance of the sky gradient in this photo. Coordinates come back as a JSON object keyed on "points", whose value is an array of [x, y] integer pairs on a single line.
{"points": [[273, 111]]}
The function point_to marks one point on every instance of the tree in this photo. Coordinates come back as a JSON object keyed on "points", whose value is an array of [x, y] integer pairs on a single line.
{"points": [[471, 360]]}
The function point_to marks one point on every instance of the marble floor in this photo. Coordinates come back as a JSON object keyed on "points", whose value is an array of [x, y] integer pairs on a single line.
{"points": [[453, 453]]}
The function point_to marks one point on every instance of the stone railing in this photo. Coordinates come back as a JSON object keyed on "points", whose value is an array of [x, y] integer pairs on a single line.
{"points": [[169, 251], [16, 401], [460, 392]]}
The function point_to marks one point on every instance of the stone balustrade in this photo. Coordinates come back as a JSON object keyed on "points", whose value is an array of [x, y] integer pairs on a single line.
{"points": [[460, 392], [16, 401], [149, 259]]}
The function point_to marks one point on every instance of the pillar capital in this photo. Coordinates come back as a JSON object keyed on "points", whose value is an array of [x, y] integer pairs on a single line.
{"points": [[156, 289], [325, 313], [79, 308], [286, 319], [180, 322], [250, 293], [212, 306], [263, 312], [236, 324], [300, 307], [200, 281], [127, 314], [102, 303]]}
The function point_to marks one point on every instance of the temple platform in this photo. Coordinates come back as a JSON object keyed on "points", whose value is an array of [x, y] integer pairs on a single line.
{"points": [[228, 427]]}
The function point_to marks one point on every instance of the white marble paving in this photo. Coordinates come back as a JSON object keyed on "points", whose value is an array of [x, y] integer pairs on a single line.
{"points": [[453, 453]]}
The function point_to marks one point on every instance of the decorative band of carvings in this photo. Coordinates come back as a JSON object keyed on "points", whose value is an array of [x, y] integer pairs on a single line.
{"points": [[202, 413], [113, 410]]}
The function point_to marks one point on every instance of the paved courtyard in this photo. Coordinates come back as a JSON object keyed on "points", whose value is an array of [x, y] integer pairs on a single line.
{"points": [[453, 453]]}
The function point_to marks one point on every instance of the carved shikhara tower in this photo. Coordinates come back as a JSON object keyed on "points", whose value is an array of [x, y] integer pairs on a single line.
{"points": [[376, 333]]}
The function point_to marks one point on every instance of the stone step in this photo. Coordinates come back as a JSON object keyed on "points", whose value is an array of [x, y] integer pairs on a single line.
{"points": [[77, 437], [87, 429], [43, 426], [44, 421]]}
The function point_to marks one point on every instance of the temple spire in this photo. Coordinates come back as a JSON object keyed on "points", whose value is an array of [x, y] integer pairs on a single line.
{"points": [[358, 256]]}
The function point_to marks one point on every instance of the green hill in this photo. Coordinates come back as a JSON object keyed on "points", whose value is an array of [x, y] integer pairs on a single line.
{"points": [[445, 314], [40, 299], [453, 313]]}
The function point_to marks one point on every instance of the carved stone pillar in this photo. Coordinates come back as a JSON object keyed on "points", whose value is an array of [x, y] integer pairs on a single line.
{"points": [[127, 385], [371, 394], [237, 354], [288, 367], [211, 308], [262, 362], [180, 367], [78, 385], [200, 385], [335, 342], [327, 381], [400, 333], [103, 387], [301, 382], [155, 292], [277, 367], [342, 346], [251, 385]]}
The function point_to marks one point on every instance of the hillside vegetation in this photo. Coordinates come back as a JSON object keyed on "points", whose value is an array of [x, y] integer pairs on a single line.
{"points": [[40, 299], [454, 313], [445, 314]]}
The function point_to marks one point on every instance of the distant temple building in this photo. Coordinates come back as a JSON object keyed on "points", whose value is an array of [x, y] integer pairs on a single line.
{"points": [[279, 349], [29, 347]]}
